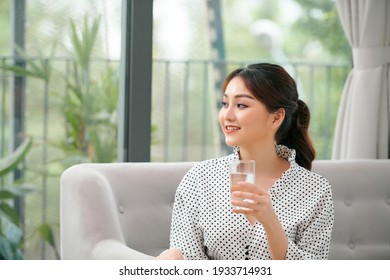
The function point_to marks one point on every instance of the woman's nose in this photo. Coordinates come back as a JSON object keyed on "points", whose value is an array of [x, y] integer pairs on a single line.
{"points": [[230, 114]]}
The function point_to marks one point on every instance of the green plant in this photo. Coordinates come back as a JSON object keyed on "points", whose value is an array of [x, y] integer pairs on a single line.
{"points": [[39, 68], [90, 104], [11, 233], [46, 233], [89, 107]]}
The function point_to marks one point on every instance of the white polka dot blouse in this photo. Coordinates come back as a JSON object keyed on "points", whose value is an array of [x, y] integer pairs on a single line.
{"points": [[204, 227]]}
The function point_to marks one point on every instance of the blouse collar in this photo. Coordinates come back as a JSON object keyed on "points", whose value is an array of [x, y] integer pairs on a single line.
{"points": [[287, 176], [281, 150]]}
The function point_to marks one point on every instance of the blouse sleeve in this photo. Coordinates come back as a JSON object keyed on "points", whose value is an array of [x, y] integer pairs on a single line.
{"points": [[185, 231], [313, 242]]}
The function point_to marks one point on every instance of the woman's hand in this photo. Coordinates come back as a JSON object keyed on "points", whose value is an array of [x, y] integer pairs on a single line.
{"points": [[171, 254], [260, 208]]}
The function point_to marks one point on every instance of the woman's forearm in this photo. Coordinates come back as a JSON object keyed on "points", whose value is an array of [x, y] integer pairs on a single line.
{"points": [[277, 239]]}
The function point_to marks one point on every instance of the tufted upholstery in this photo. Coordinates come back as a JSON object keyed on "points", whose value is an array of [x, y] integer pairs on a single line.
{"points": [[123, 210]]}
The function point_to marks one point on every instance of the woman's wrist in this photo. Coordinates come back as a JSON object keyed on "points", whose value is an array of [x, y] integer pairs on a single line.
{"points": [[277, 238]]}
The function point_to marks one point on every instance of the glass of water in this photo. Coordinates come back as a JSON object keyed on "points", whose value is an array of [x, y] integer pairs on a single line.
{"points": [[241, 171]]}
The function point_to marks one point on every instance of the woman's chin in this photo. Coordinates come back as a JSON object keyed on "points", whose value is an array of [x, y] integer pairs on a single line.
{"points": [[231, 143]]}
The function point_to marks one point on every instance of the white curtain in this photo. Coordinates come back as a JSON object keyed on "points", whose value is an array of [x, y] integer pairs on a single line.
{"points": [[363, 122]]}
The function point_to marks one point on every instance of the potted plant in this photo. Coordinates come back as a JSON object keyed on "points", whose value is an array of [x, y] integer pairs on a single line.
{"points": [[11, 233]]}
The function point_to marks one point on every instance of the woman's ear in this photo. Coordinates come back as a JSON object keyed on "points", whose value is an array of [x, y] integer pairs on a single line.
{"points": [[278, 117]]}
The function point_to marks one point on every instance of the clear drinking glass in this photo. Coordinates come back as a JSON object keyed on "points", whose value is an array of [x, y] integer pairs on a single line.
{"points": [[241, 171]]}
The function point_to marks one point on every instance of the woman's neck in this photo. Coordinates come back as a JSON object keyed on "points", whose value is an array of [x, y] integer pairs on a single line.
{"points": [[268, 163]]}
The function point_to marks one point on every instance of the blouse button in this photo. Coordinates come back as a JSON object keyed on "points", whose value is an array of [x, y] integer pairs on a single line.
{"points": [[247, 247], [388, 200], [351, 245], [347, 202], [246, 253], [246, 258], [121, 209]]}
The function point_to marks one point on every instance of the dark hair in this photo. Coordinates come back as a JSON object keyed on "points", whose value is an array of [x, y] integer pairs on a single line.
{"points": [[276, 89]]}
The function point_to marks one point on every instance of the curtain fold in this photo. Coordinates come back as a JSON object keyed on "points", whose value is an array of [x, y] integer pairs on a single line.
{"points": [[363, 122]]}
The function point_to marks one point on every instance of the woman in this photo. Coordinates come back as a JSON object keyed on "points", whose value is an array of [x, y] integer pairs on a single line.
{"points": [[292, 214]]}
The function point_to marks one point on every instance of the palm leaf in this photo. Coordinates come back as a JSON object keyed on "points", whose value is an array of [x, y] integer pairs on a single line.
{"points": [[11, 162], [46, 233]]}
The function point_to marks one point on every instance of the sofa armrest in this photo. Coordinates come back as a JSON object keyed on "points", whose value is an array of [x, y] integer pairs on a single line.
{"points": [[88, 214]]}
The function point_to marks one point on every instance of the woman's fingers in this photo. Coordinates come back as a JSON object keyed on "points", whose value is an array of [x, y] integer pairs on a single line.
{"points": [[250, 199], [240, 195], [248, 187]]}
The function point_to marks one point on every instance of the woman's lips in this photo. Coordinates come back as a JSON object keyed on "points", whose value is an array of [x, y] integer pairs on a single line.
{"points": [[231, 129]]}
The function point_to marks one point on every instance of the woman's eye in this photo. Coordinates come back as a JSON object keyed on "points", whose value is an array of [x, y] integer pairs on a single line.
{"points": [[238, 105], [224, 104]]}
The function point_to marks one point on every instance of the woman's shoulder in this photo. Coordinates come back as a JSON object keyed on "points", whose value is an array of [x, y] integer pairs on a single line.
{"points": [[213, 164], [203, 171], [313, 179]]}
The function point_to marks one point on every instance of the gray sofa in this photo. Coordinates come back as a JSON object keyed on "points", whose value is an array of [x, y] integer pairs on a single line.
{"points": [[123, 210]]}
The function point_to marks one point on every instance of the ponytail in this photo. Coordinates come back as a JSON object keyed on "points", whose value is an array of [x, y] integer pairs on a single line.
{"points": [[297, 136]]}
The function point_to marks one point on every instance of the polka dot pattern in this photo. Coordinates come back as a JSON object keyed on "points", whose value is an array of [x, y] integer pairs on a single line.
{"points": [[204, 227]]}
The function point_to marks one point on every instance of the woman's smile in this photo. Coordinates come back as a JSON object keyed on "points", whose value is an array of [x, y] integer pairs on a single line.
{"points": [[229, 129]]}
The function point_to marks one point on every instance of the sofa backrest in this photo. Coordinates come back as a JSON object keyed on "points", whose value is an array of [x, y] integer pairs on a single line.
{"points": [[133, 202], [361, 195]]}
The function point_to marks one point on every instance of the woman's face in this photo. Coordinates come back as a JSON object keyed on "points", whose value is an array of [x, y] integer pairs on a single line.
{"points": [[244, 119]]}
